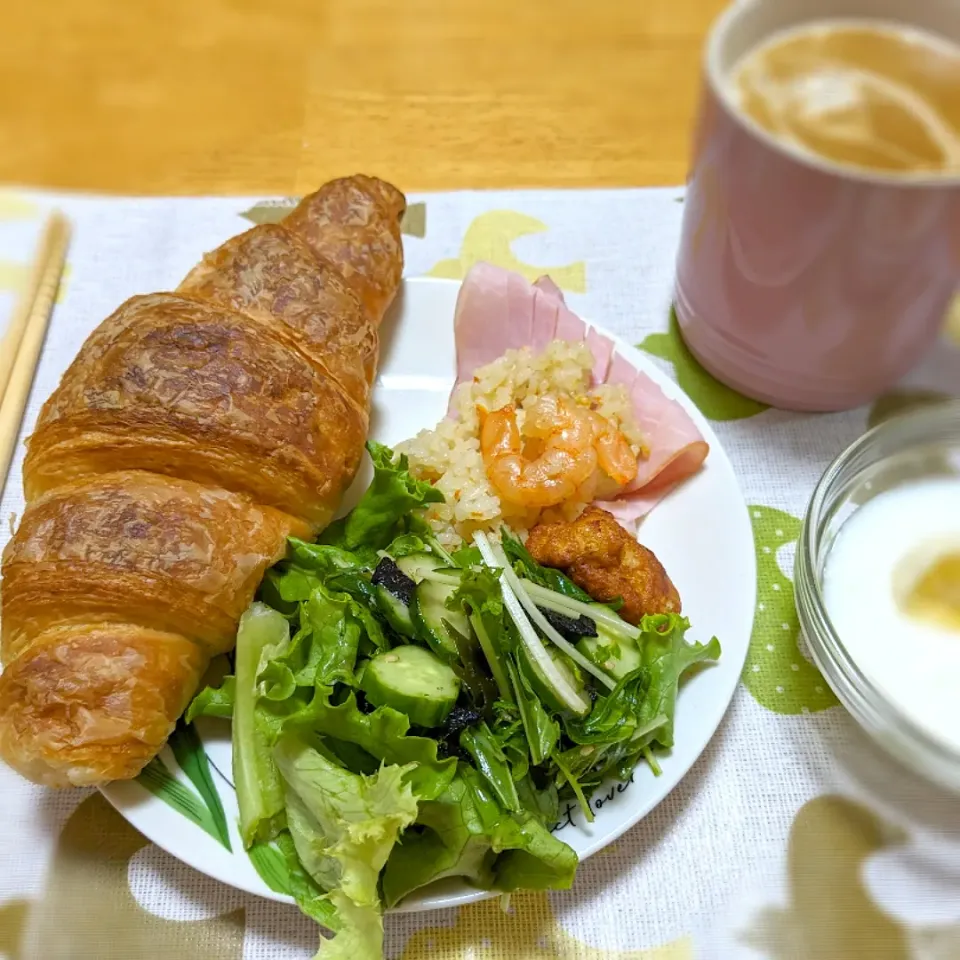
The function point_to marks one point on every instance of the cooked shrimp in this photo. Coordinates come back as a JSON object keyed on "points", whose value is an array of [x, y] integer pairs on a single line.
{"points": [[565, 452], [616, 458], [567, 455]]}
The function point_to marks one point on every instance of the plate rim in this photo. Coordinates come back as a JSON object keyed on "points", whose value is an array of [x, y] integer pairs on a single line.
{"points": [[463, 894]]}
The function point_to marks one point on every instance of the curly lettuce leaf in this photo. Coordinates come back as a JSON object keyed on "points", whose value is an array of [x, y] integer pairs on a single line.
{"points": [[291, 584], [454, 842], [407, 544], [322, 558], [294, 586], [382, 734], [335, 629], [284, 586], [214, 701], [339, 570], [533, 858], [641, 708], [311, 899], [542, 802], [382, 510], [263, 634], [666, 657], [322, 652], [343, 824], [359, 931], [479, 592], [344, 827], [466, 833]]}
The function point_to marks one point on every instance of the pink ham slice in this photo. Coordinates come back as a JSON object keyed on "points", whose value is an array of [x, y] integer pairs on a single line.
{"points": [[498, 310]]}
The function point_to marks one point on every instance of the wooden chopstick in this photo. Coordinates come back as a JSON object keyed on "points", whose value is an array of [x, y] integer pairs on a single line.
{"points": [[26, 334]]}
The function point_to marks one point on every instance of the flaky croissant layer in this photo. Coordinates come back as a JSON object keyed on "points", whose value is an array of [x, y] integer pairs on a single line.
{"points": [[194, 432]]}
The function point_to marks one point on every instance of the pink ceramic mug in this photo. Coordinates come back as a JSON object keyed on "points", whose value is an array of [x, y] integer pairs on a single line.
{"points": [[800, 283]]}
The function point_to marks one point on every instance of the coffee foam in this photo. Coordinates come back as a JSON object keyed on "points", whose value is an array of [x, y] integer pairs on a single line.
{"points": [[806, 95]]}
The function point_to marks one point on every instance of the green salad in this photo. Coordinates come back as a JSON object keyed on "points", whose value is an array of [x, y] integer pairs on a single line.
{"points": [[402, 713]]}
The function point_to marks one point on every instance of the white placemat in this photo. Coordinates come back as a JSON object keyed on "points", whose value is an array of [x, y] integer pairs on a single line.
{"points": [[793, 837]]}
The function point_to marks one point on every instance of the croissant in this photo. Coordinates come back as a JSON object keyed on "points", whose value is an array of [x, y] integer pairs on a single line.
{"points": [[194, 432]]}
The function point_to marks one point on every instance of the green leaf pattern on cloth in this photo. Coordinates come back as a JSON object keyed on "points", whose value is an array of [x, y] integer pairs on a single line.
{"points": [[716, 400], [777, 673]]}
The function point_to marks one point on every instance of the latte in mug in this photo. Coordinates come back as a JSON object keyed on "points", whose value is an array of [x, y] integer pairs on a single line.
{"points": [[865, 94], [820, 249]]}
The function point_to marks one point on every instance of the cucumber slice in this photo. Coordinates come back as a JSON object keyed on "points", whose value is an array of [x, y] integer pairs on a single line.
{"points": [[394, 592], [413, 681], [542, 686], [417, 565], [625, 658], [434, 621], [395, 612]]}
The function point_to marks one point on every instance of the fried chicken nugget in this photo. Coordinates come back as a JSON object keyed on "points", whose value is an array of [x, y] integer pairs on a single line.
{"points": [[601, 558]]}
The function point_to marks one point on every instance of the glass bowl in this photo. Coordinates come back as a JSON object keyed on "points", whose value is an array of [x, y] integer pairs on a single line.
{"points": [[913, 446]]}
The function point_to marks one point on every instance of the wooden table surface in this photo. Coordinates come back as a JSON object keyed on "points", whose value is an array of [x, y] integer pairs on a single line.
{"points": [[274, 96]]}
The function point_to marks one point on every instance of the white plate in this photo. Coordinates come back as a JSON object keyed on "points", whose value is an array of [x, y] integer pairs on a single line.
{"points": [[701, 533]]}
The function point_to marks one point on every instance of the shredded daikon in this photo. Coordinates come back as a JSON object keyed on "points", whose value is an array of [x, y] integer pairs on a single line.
{"points": [[571, 699]]}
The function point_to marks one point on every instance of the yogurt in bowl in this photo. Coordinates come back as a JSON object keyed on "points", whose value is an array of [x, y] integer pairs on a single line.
{"points": [[891, 585], [878, 586]]}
